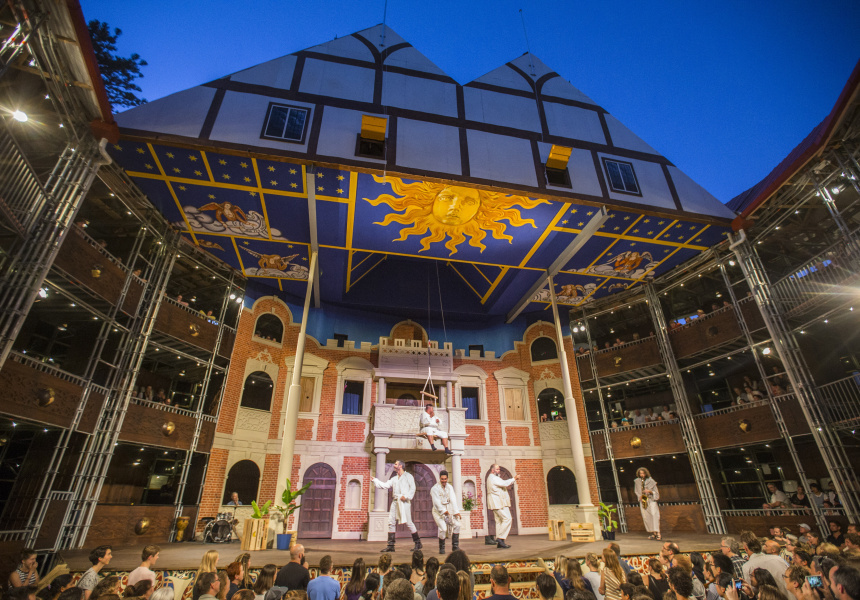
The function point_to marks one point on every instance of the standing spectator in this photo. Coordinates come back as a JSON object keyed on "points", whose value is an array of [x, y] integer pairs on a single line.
{"points": [[144, 571], [592, 561], [836, 538], [207, 586], [26, 574], [657, 582], [235, 575], [680, 583], [730, 547], [625, 566], [447, 585], [500, 583], [324, 586], [778, 499], [772, 564], [612, 575], [295, 575], [355, 588], [100, 558]]}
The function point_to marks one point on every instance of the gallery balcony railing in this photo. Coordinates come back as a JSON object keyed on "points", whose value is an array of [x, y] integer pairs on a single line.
{"points": [[841, 402], [21, 192], [822, 281]]}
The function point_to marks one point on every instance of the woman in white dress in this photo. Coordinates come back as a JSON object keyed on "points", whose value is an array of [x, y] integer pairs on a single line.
{"points": [[645, 489]]}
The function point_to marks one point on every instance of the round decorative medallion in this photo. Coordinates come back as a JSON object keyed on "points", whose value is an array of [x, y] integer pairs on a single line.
{"points": [[45, 396], [168, 428], [635, 442], [142, 526]]}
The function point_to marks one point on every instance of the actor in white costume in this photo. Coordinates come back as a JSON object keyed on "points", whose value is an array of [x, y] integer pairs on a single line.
{"points": [[430, 424], [645, 489], [446, 512], [499, 502], [403, 489]]}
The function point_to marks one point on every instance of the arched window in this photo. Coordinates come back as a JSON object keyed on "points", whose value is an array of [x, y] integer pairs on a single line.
{"points": [[244, 479], [551, 404], [258, 390], [543, 348], [561, 486], [353, 495], [269, 327]]}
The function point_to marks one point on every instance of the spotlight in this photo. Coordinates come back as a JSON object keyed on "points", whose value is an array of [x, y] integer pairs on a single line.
{"points": [[239, 300], [232, 296], [766, 351], [43, 292], [19, 116], [731, 263]]}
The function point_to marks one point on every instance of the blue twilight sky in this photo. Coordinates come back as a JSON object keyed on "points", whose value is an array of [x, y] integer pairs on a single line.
{"points": [[724, 90]]}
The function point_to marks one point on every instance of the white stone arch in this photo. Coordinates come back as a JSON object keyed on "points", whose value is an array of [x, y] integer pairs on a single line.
{"points": [[546, 361], [257, 311], [408, 322], [354, 368], [236, 456]]}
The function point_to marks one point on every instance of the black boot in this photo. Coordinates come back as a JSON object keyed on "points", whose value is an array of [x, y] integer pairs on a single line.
{"points": [[448, 451], [455, 542], [500, 543], [417, 539], [390, 546], [489, 540], [442, 546]]}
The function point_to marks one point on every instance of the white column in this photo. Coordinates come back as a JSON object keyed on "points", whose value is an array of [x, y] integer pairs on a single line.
{"points": [[380, 496], [291, 418], [579, 468], [457, 476], [449, 398], [380, 390]]}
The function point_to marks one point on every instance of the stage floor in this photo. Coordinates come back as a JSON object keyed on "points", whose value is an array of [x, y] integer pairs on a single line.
{"points": [[187, 555]]}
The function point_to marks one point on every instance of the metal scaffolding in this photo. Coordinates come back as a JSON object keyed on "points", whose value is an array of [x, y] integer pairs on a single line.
{"points": [[826, 438], [713, 516]]}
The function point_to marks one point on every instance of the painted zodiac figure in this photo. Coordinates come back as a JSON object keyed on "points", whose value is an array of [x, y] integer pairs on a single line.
{"points": [[225, 209], [630, 261], [271, 261]]}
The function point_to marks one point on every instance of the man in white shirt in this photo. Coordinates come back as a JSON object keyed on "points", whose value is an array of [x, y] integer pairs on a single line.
{"points": [[430, 424], [499, 501], [757, 559], [144, 571], [778, 499], [403, 488], [446, 512]]}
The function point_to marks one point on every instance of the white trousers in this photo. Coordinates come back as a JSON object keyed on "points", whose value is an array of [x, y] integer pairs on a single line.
{"points": [[446, 523], [434, 432], [503, 522], [392, 519], [651, 516]]}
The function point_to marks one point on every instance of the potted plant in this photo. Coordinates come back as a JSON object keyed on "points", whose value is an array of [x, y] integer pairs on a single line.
{"points": [[289, 499], [607, 524]]}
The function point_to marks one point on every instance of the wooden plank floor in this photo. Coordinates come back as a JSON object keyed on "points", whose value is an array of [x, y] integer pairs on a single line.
{"points": [[343, 552]]}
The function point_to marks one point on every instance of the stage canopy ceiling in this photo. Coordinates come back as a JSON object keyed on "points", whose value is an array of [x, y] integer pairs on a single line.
{"points": [[458, 206]]}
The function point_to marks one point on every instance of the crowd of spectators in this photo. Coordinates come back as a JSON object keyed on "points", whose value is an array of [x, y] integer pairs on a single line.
{"points": [[780, 566], [780, 502]]}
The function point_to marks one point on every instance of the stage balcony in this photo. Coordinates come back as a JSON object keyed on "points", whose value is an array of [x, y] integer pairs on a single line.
{"points": [[37, 391], [637, 441], [633, 360], [749, 424], [189, 326], [708, 336], [165, 426], [396, 428]]}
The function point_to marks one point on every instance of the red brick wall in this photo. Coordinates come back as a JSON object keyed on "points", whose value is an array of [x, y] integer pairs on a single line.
{"points": [[305, 429], [476, 435], [517, 436], [471, 468], [327, 401], [269, 483], [533, 505], [294, 485], [213, 486], [351, 431], [354, 520]]}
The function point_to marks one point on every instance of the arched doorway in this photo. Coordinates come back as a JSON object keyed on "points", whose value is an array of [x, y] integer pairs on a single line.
{"points": [[561, 486], [317, 513], [422, 505], [491, 519], [244, 479]]}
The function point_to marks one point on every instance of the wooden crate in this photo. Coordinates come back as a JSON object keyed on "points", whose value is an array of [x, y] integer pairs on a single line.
{"points": [[557, 530], [255, 534], [582, 532]]}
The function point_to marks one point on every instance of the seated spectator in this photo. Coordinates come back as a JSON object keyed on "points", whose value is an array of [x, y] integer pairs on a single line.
{"points": [[832, 494], [836, 538], [656, 578], [235, 577], [612, 575], [144, 571], [844, 582], [266, 580], [108, 586], [752, 394], [27, 573], [546, 586], [326, 587], [56, 586], [613, 425], [625, 566], [592, 562], [99, 558], [543, 418], [683, 561], [666, 414], [816, 495], [371, 587], [638, 417], [500, 583], [776, 390], [751, 383], [852, 541], [720, 564], [799, 499], [447, 585], [618, 342], [680, 583], [795, 577], [428, 583], [295, 575], [207, 586], [778, 499], [668, 553], [731, 548], [770, 547], [740, 396]]}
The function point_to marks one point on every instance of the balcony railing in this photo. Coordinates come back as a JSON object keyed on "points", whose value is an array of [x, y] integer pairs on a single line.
{"points": [[18, 185], [165, 407], [821, 280], [761, 512], [841, 402]]}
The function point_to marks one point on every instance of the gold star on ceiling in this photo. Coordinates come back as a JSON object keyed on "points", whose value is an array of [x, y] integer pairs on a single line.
{"points": [[304, 258], [244, 165], [615, 228], [273, 183], [698, 239], [225, 176], [627, 218], [117, 147], [339, 190], [692, 227], [580, 224], [289, 245], [650, 233], [198, 173], [253, 194], [292, 171], [589, 213], [320, 174], [564, 222], [632, 244], [248, 179], [176, 170], [320, 188], [647, 221], [141, 151], [182, 187], [211, 196], [271, 168], [660, 222], [192, 158], [666, 251], [221, 161], [148, 166], [294, 185], [169, 155], [246, 243], [635, 231], [340, 177]]}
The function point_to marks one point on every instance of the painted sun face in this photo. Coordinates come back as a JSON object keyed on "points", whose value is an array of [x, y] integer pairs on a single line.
{"points": [[456, 205]]}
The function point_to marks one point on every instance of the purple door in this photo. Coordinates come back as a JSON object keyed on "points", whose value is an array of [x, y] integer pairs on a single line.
{"points": [[317, 513], [491, 519]]}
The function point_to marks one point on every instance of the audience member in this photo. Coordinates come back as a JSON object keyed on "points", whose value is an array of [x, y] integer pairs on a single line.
{"points": [[720, 564], [371, 587], [326, 587], [778, 499], [546, 586], [669, 551], [295, 575], [384, 567], [245, 560], [625, 566], [466, 586], [235, 577], [852, 541], [26, 574], [144, 571], [55, 587], [266, 581], [844, 582], [224, 586], [100, 558], [592, 562], [680, 583], [836, 538], [141, 589], [208, 564], [612, 575], [816, 495], [656, 578], [799, 499], [207, 585], [795, 577], [355, 587], [23, 592], [76, 593], [500, 584], [683, 561], [106, 587], [774, 565], [167, 593], [447, 585], [730, 547], [428, 583]]}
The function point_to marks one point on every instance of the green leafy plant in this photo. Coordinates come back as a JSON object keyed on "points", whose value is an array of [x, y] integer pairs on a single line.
{"points": [[605, 513], [260, 512], [289, 498], [469, 501]]}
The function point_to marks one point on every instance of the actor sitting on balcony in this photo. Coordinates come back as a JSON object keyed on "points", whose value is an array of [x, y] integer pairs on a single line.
{"points": [[430, 428], [645, 489]]}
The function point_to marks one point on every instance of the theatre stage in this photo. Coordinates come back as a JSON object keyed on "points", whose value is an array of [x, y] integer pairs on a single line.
{"points": [[187, 555]]}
